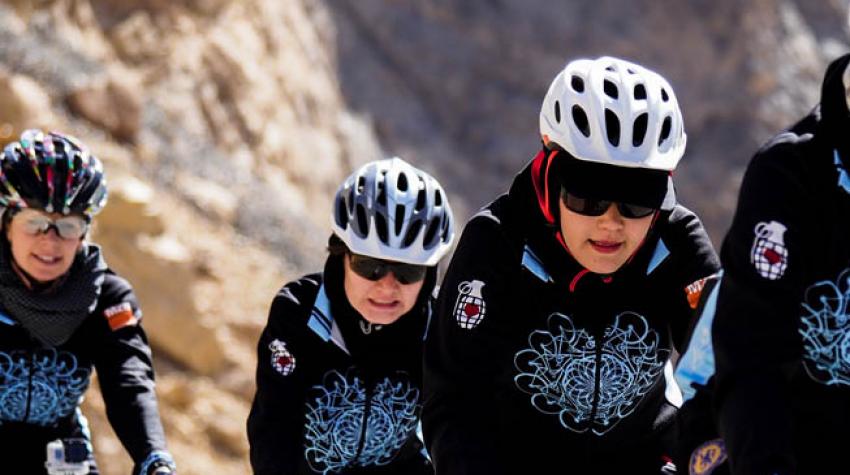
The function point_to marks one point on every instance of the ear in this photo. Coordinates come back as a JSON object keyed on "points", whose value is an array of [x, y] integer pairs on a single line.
{"points": [[846, 80]]}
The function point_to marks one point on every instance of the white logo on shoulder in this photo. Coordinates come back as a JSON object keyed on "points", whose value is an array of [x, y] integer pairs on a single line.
{"points": [[769, 254], [470, 307], [282, 360]]}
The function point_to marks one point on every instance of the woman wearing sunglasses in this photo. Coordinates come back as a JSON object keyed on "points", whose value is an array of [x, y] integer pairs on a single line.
{"points": [[339, 375], [567, 296], [63, 314]]}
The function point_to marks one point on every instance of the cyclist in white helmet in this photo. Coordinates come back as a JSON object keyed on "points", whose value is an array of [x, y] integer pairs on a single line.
{"points": [[339, 375], [551, 343]]}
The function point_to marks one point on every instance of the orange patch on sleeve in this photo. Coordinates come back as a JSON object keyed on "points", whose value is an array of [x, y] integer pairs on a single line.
{"points": [[694, 291], [120, 316]]}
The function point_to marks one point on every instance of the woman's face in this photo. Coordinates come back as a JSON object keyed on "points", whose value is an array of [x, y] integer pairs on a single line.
{"points": [[602, 244], [44, 256], [381, 301]]}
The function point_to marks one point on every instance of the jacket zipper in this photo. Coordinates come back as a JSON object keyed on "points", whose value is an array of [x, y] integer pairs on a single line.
{"points": [[597, 371], [31, 364], [367, 408]]}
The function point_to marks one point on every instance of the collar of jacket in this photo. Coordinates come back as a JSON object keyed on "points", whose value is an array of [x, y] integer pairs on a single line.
{"points": [[530, 223], [835, 117]]}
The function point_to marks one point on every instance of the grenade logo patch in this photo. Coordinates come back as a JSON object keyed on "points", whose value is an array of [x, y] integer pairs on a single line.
{"points": [[769, 254], [470, 307], [282, 360]]}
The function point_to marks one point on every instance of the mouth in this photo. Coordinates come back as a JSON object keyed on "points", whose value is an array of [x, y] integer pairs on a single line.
{"points": [[606, 247], [47, 260], [384, 305]]}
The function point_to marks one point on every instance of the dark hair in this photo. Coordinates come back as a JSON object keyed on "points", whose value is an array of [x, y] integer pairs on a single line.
{"points": [[336, 247]]}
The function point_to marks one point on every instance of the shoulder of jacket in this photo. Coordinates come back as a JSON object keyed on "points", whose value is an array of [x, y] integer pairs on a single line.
{"points": [[298, 296]]}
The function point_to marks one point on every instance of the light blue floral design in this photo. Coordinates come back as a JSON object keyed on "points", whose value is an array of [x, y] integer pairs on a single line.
{"points": [[826, 331], [336, 438], [41, 387], [559, 371]]}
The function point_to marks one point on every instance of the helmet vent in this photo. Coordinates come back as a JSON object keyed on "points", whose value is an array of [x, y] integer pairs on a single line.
{"points": [[438, 198], [631, 71], [612, 126], [640, 92], [664, 96], [361, 184], [362, 222], [402, 184], [611, 68], [580, 120], [381, 227], [610, 89], [639, 131], [412, 232], [399, 218], [382, 193], [558, 111], [420, 201], [577, 83], [430, 233], [350, 200], [665, 130]]}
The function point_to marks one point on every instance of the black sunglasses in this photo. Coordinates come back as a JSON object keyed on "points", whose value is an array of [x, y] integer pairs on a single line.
{"points": [[373, 269], [595, 207]]}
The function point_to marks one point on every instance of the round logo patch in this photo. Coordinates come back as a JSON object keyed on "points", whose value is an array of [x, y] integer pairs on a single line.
{"points": [[707, 457]]}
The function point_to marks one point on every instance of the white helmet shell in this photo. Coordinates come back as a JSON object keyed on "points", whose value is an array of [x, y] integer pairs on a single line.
{"points": [[614, 112], [388, 209]]}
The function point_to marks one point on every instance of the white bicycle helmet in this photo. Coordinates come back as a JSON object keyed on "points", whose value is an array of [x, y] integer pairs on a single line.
{"points": [[613, 112], [389, 209]]}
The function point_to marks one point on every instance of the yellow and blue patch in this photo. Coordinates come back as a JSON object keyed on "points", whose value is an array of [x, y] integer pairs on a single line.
{"points": [[707, 457]]}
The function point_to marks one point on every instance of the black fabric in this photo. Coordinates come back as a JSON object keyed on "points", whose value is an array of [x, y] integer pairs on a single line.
{"points": [[783, 395], [281, 437], [54, 314], [41, 384], [480, 415]]}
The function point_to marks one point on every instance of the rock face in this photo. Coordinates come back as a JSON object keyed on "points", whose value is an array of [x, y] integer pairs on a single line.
{"points": [[226, 126], [224, 134], [458, 86]]}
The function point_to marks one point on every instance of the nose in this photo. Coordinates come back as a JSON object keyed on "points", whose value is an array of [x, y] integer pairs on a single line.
{"points": [[388, 282], [611, 219]]}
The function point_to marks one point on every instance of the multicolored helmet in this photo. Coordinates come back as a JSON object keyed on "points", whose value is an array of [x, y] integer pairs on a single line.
{"points": [[53, 172], [388, 209]]}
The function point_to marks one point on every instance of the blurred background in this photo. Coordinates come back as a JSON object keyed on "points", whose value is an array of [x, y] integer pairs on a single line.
{"points": [[225, 127]]}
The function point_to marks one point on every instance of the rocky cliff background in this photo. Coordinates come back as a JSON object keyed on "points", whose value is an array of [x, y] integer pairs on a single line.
{"points": [[225, 127]]}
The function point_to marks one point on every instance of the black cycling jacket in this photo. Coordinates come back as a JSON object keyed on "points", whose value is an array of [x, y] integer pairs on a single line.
{"points": [[334, 394], [533, 363], [41, 387], [782, 331]]}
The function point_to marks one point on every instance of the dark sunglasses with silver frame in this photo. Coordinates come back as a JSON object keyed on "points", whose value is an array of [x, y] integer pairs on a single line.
{"points": [[374, 269]]}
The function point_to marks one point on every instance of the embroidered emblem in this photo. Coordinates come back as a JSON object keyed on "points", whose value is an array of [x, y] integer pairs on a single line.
{"points": [[470, 307], [120, 316], [707, 457], [769, 254], [826, 331], [565, 377], [40, 388], [694, 291], [282, 360], [335, 422]]}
